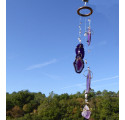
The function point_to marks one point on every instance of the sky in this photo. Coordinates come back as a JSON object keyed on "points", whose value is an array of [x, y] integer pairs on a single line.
{"points": [[41, 37]]}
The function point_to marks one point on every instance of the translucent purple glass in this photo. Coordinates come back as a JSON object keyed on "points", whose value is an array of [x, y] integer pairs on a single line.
{"points": [[86, 112], [80, 50], [78, 64], [89, 36], [88, 82]]}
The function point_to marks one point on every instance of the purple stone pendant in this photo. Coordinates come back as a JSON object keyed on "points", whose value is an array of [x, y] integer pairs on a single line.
{"points": [[80, 50], [79, 63]]}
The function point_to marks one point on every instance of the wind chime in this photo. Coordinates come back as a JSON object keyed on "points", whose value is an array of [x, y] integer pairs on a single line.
{"points": [[80, 53]]}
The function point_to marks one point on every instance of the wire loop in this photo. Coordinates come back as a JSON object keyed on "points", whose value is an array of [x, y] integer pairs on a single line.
{"points": [[84, 7], [86, 75]]}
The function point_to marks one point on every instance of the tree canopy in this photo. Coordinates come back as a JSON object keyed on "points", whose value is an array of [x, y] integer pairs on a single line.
{"points": [[25, 105]]}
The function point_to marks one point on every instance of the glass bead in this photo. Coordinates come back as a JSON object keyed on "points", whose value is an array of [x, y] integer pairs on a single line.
{"points": [[89, 19], [80, 41], [85, 34], [86, 96]]}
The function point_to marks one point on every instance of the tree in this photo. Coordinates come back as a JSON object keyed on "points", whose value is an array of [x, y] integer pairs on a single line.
{"points": [[17, 112], [98, 93], [22, 97], [36, 106], [9, 102]]}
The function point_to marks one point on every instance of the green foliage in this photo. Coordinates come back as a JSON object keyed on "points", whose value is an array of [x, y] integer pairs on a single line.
{"points": [[25, 105], [9, 102]]}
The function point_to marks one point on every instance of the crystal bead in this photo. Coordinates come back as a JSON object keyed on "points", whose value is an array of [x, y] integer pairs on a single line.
{"points": [[79, 38], [89, 19], [85, 96], [86, 112], [80, 41], [85, 34]]}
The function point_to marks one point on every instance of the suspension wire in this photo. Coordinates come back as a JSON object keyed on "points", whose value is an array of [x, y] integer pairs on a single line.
{"points": [[85, 18], [80, 30], [85, 25]]}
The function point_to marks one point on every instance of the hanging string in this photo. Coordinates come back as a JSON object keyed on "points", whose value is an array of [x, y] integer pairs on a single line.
{"points": [[89, 20], [85, 34], [86, 111], [80, 30], [85, 4]]}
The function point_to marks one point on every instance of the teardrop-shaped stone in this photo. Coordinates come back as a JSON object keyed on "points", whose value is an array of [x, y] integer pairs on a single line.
{"points": [[79, 64]]}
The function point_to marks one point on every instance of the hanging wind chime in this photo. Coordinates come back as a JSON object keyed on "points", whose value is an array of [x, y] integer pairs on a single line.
{"points": [[80, 53]]}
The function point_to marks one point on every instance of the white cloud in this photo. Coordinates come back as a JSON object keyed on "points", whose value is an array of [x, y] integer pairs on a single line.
{"points": [[83, 84], [54, 77], [104, 79], [41, 65], [105, 85]]}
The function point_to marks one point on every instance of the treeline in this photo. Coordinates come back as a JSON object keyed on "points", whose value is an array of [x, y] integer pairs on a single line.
{"points": [[25, 105]]}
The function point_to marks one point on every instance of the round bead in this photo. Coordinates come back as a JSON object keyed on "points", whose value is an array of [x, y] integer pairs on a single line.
{"points": [[89, 19], [79, 38], [80, 41], [85, 34]]}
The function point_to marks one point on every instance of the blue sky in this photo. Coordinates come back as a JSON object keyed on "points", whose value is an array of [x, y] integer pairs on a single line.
{"points": [[41, 40]]}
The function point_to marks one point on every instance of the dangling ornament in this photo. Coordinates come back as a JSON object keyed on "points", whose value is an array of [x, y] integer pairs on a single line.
{"points": [[80, 53], [89, 76], [89, 34], [86, 112], [79, 63]]}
